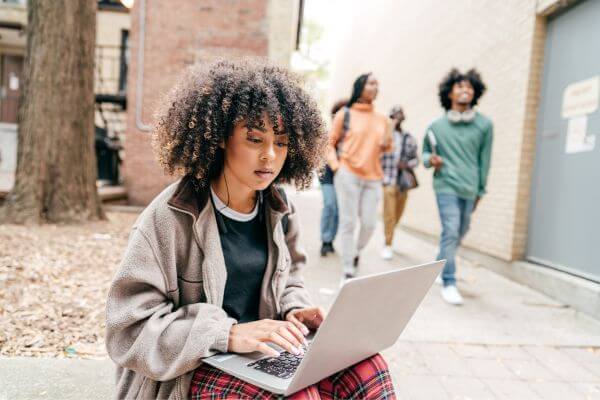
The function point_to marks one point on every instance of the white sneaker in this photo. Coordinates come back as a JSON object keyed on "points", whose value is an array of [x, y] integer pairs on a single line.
{"points": [[387, 253], [451, 295], [439, 280]]}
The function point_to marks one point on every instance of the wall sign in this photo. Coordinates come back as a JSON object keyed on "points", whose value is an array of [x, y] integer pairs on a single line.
{"points": [[579, 100], [577, 138]]}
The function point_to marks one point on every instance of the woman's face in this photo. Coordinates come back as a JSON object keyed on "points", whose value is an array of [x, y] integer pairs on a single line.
{"points": [[370, 90], [255, 156]]}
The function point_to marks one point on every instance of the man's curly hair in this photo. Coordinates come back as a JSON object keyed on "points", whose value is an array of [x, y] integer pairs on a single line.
{"points": [[202, 109], [455, 76]]}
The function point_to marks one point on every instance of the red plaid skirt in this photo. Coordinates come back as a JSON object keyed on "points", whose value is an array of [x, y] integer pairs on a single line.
{"points": [[369, 379]]}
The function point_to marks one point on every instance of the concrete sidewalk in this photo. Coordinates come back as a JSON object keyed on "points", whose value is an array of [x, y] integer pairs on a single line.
{"points": [[506, 342]]}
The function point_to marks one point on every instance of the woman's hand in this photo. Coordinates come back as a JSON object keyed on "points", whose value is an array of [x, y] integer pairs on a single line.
{"points": [[305, 318], [251, 336]]}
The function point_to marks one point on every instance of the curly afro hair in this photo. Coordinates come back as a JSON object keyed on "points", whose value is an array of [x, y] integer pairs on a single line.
{"points": [[202, 109], [455, 76]]}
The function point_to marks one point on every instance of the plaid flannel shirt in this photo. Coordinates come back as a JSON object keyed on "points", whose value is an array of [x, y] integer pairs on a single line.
{"points": [[389, 161]]}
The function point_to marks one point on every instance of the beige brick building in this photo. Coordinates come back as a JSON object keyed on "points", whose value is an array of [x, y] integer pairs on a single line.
{"points": [[410, 46], [537, 57], [176, 34]]}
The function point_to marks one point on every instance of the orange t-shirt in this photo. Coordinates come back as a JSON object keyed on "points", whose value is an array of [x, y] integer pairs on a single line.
{"points": [[368, 136]]}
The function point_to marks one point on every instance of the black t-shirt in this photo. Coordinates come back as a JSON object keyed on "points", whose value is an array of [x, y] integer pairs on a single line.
{"points": [[245, 250]]}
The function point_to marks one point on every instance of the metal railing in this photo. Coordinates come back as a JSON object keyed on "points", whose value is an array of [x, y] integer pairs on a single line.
{"points": [[110, 83], [110, 70]]}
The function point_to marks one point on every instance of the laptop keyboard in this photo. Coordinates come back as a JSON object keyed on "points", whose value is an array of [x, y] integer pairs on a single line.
{"points": [[282, 367]]}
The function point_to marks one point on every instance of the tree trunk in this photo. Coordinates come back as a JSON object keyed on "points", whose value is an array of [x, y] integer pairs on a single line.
{"points": [[56, 164]]}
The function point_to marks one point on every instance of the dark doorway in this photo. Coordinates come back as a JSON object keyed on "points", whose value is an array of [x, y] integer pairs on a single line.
{"points": [[11, 67]]}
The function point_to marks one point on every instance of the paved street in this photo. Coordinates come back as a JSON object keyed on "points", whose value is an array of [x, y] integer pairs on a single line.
{"points": [[506, 342]]}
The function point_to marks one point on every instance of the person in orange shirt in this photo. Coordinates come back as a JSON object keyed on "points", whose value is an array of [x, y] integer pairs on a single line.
{"points": [[359, 136]]}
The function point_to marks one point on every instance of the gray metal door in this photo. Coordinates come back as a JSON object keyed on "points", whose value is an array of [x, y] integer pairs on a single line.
{"points": [[564, 225]]}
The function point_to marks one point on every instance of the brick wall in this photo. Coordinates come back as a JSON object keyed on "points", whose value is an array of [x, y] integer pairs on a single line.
{"points": [[527, 152], [410, 46], [179, 33]]}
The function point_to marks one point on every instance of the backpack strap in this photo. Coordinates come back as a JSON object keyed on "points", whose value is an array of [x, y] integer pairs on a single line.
{"points": [[345, 128], [346, 119]]}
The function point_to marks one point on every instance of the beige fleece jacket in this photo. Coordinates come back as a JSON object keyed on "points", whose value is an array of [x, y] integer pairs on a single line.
{"points": [[164, 306]]}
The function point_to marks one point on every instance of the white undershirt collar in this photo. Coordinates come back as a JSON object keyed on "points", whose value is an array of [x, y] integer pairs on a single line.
{"points": [[230, 213]]}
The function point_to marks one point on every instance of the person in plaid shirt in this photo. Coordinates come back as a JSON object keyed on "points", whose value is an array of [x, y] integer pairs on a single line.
{"points": [[398, 178]]}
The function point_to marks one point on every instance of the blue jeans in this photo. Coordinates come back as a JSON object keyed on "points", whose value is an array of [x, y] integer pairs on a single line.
{"points": [[455, 215], [330, 215]]}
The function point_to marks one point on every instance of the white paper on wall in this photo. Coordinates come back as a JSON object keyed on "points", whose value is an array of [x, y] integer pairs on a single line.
{"points": [[577, 138]]}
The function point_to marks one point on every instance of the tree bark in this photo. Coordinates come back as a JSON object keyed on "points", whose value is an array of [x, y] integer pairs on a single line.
{"points": [[56, 163]]}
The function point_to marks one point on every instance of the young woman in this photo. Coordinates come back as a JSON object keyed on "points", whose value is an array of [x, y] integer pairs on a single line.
{"points": [[357, 168], [214, 263]]}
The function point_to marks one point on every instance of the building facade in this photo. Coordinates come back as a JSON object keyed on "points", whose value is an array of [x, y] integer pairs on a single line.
{"points": [[167, 37], [540, 202], [13, 19], [110, 80]]}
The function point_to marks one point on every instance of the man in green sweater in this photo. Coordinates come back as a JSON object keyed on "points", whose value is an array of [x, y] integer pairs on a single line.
{"points": [[458, 146]]}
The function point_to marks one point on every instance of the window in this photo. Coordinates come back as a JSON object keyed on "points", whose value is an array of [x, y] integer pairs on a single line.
{"points": [[124, 61], [114, 5], [20, 2]]}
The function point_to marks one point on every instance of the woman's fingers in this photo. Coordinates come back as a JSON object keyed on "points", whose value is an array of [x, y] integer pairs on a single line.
{"points": [[297, 331], [292, 333], [282, 342], [313, 317], [292, 318], [320, 317], [264, 348], [289, 335]]}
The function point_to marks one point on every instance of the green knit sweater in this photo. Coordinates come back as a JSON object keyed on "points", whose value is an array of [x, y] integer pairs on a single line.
{"points": [[466, 149]]}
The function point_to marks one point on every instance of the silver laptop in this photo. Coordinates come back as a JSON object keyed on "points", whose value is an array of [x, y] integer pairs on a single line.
{"points": [[368, 315]]}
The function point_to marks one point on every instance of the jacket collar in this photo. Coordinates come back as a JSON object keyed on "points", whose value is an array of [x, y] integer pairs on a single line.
{"points": [[192, 198]]}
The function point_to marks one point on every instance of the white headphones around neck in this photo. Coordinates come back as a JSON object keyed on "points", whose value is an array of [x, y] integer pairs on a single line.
{"points": [[456, 116]]}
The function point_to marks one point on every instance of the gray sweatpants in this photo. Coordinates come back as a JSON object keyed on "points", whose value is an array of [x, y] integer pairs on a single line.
{"points": [[357, 201]]}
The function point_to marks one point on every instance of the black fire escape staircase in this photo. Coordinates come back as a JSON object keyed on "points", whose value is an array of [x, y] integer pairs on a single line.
{"points": [[111, 105]]}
